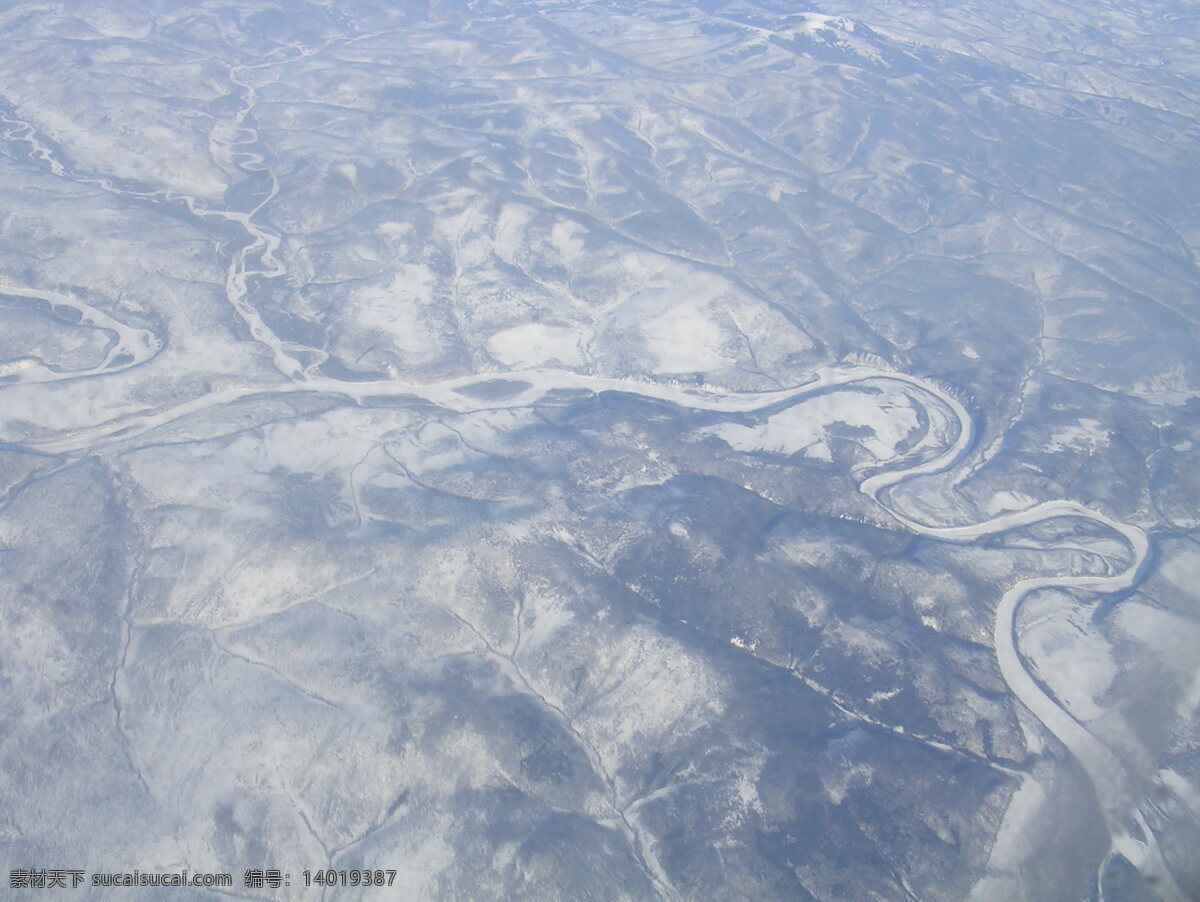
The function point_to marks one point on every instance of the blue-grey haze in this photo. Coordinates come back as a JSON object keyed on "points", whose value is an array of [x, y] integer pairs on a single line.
{"points": [[604, 450]]}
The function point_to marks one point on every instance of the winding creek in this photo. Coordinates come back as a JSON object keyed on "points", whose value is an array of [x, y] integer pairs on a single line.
{"points": [[1116, 788]]}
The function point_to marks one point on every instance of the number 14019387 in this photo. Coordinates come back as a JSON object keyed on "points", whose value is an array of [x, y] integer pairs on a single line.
{"points": [[354, 877]]}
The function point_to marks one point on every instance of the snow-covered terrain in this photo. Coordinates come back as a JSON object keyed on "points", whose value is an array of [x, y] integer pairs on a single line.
{"points": [[602, 451]]}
